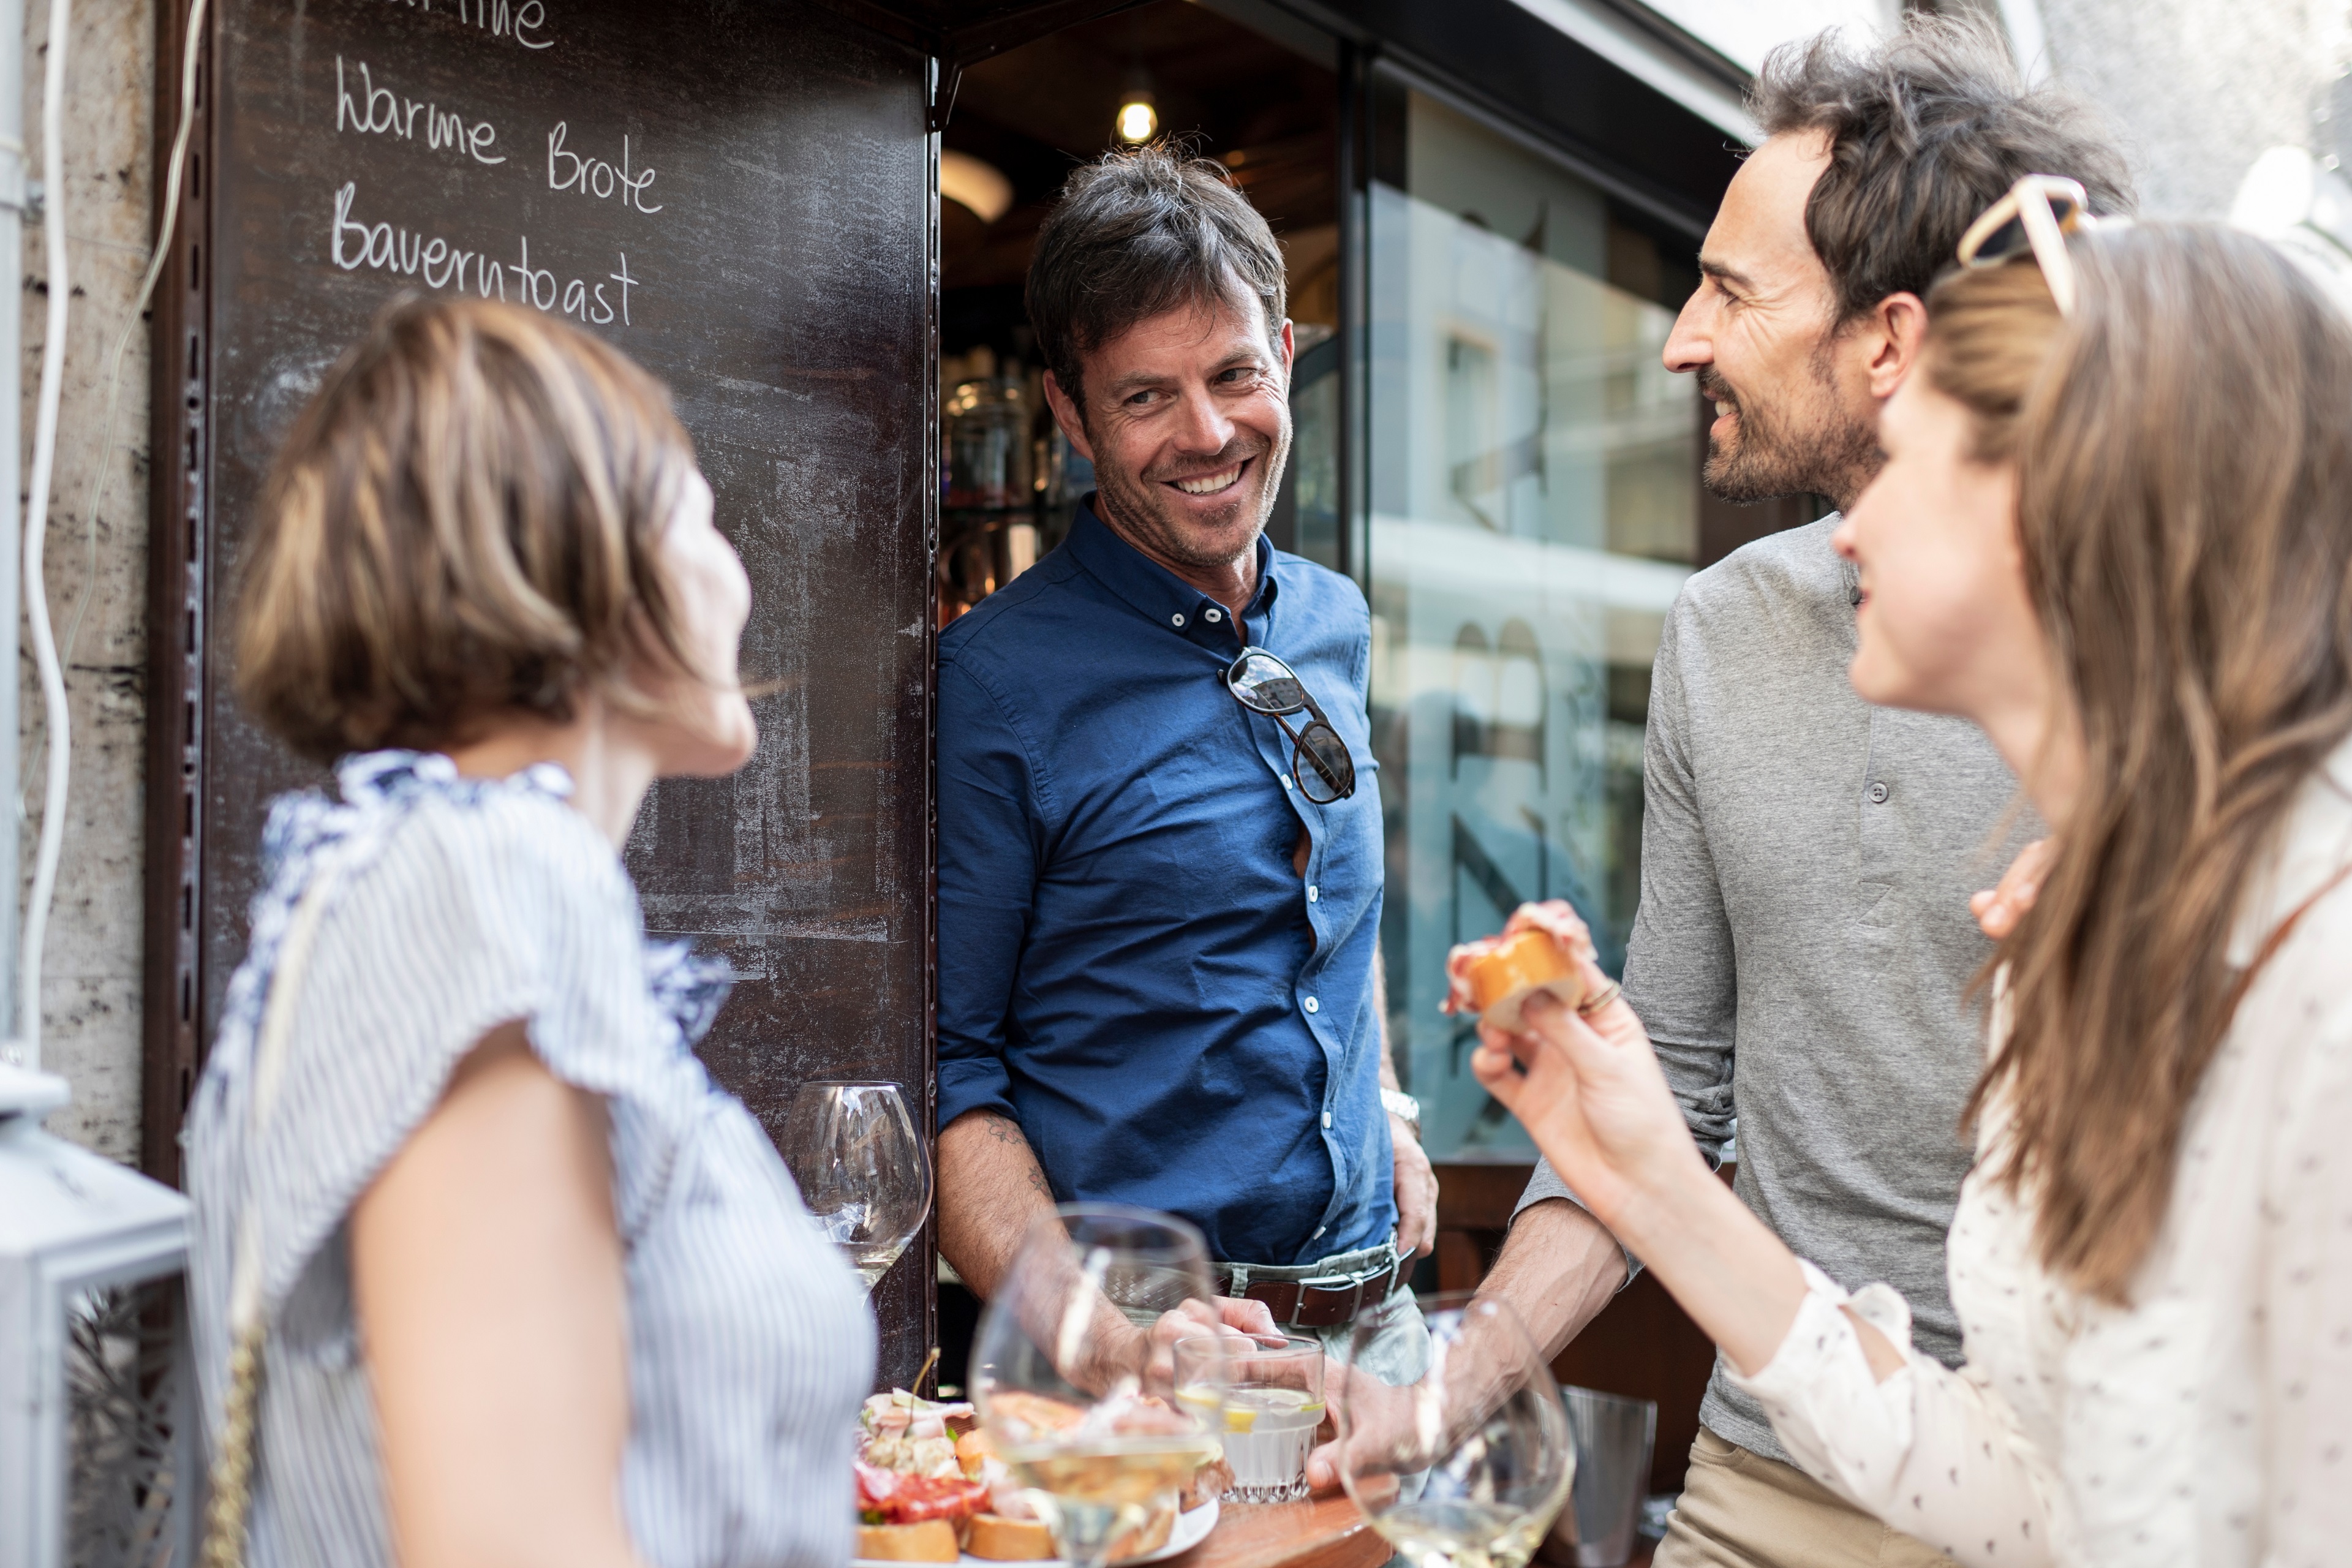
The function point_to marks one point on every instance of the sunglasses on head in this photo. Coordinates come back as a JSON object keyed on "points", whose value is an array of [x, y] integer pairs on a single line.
{"points": [[1319, 763], [2033, 220]]}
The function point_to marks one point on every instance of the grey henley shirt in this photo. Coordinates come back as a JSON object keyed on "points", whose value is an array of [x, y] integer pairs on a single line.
{"points": [[1803, 939]]}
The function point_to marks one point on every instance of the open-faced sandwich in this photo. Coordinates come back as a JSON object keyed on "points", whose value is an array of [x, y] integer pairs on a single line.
{"points": [[1010, 1532], [1543, 947], [1007, 1529], [914, 1504]]}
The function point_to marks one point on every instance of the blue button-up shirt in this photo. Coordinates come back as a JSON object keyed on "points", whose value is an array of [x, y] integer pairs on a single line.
{"points": [[1130, 964]]}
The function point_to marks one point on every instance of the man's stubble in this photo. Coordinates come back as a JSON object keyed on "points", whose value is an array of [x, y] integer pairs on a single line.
{"points": [[1136, 508], [1811, 445]]}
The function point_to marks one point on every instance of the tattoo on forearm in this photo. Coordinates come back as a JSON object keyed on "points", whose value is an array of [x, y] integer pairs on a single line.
{"points": [[1006, 1131]]}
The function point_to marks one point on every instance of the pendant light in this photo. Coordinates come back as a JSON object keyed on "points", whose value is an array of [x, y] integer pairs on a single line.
{"points": [[1137, 121]]}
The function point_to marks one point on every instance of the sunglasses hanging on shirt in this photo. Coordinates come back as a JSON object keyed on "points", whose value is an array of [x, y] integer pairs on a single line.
{"points": [[1319, 763]]}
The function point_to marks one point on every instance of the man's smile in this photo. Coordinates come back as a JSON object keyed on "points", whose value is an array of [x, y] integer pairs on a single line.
{"points": [[1212, 484]]}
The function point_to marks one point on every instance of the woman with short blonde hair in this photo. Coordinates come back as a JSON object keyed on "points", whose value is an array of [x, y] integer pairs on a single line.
{"points": [[486, 1270]]}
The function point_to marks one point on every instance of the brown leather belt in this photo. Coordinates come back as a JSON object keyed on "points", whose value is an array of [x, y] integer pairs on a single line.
{"points": [[1322, 1303]]}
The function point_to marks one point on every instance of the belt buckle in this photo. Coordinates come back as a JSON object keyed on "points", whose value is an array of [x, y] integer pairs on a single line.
{"points": [[1333, 1285], [1274, 1288]]}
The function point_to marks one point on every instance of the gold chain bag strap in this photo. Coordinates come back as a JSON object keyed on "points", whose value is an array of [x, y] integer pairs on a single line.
{"points": [[232, 1472]]}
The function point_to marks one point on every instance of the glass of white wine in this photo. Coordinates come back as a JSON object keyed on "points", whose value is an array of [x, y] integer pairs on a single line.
{"points": [[1468, 1467], [862, 1170], [1073, 1373]]}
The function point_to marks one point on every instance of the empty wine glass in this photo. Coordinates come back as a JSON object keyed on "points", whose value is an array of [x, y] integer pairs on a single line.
{"points": [[862, 1170], [1468, 1467], [1073, 1373]]}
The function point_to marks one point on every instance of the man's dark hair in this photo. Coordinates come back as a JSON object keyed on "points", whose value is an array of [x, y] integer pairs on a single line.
{"points": [[1927, 130], [1138, 233]]}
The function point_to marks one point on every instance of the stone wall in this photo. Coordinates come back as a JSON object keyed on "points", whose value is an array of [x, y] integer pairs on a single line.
{"points": [[2202, 87], [90, 984]]}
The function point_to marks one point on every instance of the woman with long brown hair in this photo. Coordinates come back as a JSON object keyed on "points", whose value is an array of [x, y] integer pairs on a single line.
{"points": [[2118, 536]]}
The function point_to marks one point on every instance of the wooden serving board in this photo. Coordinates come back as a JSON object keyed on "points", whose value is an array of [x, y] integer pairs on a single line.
{"points": [[1321, 1532]]}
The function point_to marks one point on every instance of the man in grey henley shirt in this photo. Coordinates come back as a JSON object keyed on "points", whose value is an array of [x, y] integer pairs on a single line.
{"points": [[1803, 946]]}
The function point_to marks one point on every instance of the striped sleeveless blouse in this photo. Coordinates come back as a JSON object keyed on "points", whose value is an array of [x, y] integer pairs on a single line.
{"points": [[462, 904]]}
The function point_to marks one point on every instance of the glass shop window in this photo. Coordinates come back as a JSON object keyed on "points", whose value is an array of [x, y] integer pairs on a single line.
{"points": [[1534, 507]]}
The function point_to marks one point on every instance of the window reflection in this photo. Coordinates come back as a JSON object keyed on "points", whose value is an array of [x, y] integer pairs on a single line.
{"points": [[1534, 509]]}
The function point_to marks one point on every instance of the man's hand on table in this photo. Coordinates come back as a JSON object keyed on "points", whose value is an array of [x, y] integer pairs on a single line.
{"points": [[1416, 1192]]}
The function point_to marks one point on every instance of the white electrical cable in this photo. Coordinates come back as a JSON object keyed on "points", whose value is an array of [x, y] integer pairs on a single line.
{"points": [[36, 519], [57, 792], [101, 458]]}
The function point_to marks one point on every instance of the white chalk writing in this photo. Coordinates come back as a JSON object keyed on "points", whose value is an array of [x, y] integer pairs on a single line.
{"points": [[498, 19], [594, 176], [380, 111], [384, 247]]}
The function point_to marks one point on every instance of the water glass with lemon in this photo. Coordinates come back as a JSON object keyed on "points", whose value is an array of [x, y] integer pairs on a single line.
{"points": [[1270, 1390]]}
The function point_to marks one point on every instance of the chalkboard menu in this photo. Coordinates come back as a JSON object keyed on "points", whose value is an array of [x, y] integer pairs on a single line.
{"points": [[739, 196]]}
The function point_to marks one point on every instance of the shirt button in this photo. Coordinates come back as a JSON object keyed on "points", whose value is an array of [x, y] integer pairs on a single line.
{"points": [[1176, 619], [1327, 1122], [1286, 779], [1313, 893], [1216, 616], [1878, 794], [1319, 1233], [1312, 1005]]}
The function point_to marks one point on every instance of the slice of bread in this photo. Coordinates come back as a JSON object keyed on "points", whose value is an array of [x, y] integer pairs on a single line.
{"points": [[1002, 1539], [933, 1541]]}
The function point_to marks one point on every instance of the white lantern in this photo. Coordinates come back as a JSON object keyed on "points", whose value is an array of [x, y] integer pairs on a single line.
{"points": [[98, 1453]]}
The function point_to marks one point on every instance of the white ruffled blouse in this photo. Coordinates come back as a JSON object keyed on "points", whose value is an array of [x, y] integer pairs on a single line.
{"points": [[2209, 1422]]}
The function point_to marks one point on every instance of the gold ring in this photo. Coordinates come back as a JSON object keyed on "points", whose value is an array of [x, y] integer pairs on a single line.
{"points": [[1600, 999]]}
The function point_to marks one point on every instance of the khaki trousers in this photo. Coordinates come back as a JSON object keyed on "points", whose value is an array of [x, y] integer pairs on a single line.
{"points": [[1740, 1510]]}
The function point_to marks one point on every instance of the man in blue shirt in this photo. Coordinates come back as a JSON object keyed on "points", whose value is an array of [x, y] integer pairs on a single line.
{"points": [[1159, 920]]}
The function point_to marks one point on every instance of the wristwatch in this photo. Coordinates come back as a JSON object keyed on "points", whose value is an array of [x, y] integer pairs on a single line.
{"points": [[1403, 1107]]}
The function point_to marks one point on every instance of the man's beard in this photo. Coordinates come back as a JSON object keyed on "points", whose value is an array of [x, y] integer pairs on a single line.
{"points": [[1813, 446], [1139, 505]]}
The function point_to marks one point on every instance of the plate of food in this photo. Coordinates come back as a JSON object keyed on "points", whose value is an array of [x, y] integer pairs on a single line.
{"points": [[932, 1489]]}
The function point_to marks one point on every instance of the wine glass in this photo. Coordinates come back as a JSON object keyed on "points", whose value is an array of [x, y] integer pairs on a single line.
{"points": [[862, 1170], [1073, 1372], [1468, 1467]]}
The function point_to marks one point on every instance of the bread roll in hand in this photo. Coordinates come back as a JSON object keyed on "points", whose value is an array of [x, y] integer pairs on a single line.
{"points": [[1542, 947]]}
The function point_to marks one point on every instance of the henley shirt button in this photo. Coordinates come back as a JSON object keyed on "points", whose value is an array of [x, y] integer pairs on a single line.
{"points": [[1312, 1005], [1216, 616], [1313, 893], [1878, 793], [1176, 620], [1327, 1122]]}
